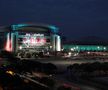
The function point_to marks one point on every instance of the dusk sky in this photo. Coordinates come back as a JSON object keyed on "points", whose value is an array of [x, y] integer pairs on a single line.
{"points": [[75, 18]]}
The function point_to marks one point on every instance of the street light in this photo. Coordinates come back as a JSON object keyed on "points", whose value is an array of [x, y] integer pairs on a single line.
{"points": [[98, 47], [104, 48], [72, 49]]}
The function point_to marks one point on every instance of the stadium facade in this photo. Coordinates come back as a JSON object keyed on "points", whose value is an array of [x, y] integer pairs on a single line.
{"points": [[30, 38]]}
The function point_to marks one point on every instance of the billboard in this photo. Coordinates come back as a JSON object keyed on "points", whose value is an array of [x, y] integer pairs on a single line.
{"points": [[31, 40]]}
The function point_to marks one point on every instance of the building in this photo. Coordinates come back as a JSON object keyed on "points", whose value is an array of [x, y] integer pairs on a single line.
{"points": [[81, 48], [30, 38], [92, 48]]}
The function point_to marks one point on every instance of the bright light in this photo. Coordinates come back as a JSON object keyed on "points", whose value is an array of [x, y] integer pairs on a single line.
{"points": [[88, 52], [50, 46], [98, 47], [70, 53], [58, 45], [34, 35], [75, 55], [32, 40], [8, 46], [47, 53], [104, 48], [77, 47], [62, 49], [72, 49], [10, 72], [20, 47], [43, 40]]}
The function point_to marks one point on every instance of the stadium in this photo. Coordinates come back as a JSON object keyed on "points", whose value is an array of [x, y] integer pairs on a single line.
{"points": [[29, 39]]}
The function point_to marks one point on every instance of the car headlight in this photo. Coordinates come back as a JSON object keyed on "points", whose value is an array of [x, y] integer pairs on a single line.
{"points": [[10, 72]]}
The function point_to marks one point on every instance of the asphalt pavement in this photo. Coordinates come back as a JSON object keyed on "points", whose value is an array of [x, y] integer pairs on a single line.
{"points": [[62, 65]]}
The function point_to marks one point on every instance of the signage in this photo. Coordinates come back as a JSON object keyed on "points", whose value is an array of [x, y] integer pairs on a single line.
{"points": [[32, 40]]}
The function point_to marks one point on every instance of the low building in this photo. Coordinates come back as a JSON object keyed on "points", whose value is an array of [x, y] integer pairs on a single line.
{"points": [[80, 48], [85, 49]]}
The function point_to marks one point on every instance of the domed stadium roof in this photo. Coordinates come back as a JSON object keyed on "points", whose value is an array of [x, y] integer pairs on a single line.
{"points": [[34, 27]]}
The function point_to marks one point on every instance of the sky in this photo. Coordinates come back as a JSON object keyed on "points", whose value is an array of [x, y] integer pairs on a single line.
{"points": [[74, 18]]}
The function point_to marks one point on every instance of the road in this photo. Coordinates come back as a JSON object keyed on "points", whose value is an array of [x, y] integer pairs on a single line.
{"points": [[60, 80], [75, 84], [62, 64]]}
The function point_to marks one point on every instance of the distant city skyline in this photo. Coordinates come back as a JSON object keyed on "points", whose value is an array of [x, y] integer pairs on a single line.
{"points": [[75, 18]]}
